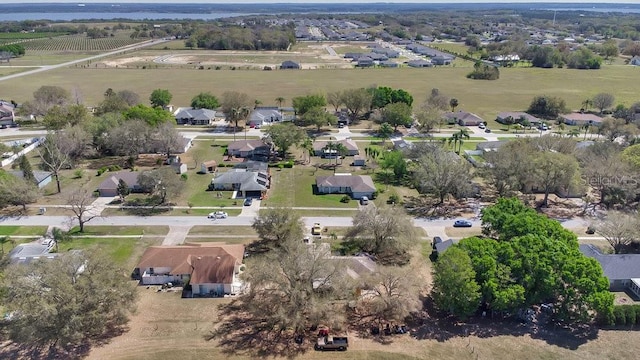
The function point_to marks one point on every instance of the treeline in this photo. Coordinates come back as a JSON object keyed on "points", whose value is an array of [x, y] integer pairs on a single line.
{"points": [[15, 49], [625, 315], [235, 37]]}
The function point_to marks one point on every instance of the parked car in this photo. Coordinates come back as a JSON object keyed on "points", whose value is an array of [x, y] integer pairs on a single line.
{"points": [[436, 240], [248, 201], [487, 130], [332, 343], [462, 223], [219, 215], [481, 126], [591, 230], [364, 200]]}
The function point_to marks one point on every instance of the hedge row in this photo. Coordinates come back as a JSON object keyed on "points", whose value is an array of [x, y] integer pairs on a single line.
{"points": [[626, 315]]}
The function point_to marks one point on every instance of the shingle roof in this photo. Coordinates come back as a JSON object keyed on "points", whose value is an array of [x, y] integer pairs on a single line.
{"points": [[516, 115], [112, 180], [350, 144], [615, 266], [196, 114], [248, 180], [245, 145], [582, 117], [462, 115], [206, 264], [443, 246], [491, 145], [357, 183], [37, 174]]}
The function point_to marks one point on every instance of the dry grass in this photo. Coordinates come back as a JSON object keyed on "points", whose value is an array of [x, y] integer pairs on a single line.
{"points": [[222, 230], [460, 232]]}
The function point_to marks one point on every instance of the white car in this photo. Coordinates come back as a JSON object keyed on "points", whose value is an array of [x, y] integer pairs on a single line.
{"points": [[218, 215], [481, 126]]}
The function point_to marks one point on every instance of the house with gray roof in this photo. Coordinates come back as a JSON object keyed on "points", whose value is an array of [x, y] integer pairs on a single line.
{"points": [[487, 146], [388, 64], [580, 119], [260, 116], [365, 61], [249, 149], [42, 177], [356, 186], [246, 183], [7, 113], [109, 187], [29, 252], [193, 116], [463, 118], [320, 148], [622, 270], [288, 64], [635, 61], [517, 117], [419, 63], [441, 60]]}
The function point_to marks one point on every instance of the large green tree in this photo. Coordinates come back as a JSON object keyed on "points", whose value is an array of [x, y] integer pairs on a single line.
{"points": [[160, 98], [455, 289], [276, 225], [302, 104], [285, 135], [396, 114], [356, 101], [318, 117], [205, 100], [153, 116]]}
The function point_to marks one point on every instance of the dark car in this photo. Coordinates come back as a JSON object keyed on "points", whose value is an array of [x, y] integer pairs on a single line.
{"points": [[436, 240], [591, 230], [487, 130], [462, 223], [248, 201]]}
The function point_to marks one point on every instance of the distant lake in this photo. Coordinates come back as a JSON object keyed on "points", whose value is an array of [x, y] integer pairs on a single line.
{"points": [[54, 16]]}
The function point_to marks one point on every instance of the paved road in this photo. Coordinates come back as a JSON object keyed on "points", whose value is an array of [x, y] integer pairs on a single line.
{"points": [[69, 63]]}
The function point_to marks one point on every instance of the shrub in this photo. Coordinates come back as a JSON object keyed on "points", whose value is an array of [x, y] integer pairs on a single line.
{"points": [[78, 174], [393, 199], [280, 166], [375, 194], [114, 168], [631, 315], [288, 164], [102, 170], [184, 177], [345, 199]]}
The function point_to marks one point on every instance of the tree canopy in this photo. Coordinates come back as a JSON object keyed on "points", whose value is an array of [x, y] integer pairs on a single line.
{"points": [[205, 100], [284, 135], [160, 98], [302, 104]]}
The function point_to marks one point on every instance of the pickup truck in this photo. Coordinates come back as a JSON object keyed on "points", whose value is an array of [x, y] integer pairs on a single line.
{"points": [[316, 229], [332, 343]]}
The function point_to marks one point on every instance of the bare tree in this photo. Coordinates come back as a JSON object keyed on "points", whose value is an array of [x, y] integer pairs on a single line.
{"points": [[276, 225], [620, 230], [130, 139], [383, 231], [603, 101], [334, 99], [441, 173], [18, 192], [167, 138], [163, 183], [236, 106], [356, 101], [45, 98], [391, 293], [80, 204], [54, 156]]}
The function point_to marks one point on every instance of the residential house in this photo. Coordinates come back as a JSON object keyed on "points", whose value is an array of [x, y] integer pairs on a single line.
{"points": [[211, 269], [356, 186], [208, 166], [109, 187], [365, 61], [388, 64], [42, 177], [251, 165], [581, 119], [7, 113], [401, 144], [248, 184], [622, 270], [288, 64], [249, 149], [29, 252], [354, 56], [441, 60], [262, 115], [191, 116], [320, 148], [635, 61], [517, 117], [157, 146], [441, 247], [463, 118], [488, 146], [377, 56], [419, 63]]}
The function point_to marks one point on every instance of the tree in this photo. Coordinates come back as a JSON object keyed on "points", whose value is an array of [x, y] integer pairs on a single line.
{"points": [[285, 135], [162, 183], [511, 167], [455, 289], [458, 138], [428, 118], [318, 117], [302, 104], [205, 100], [80, 205], [393, 293], [129, 139], [613, 129], [59, 117], [554, 171], [586, 104], [383, 95], [67, 301], [54, 155], [307, 146], [437, 100], [603, 101], [236, 106], [441, 173], [27, 171], [383, 231], [548, 107], [384, 131], [396, 114], [160, 98], [454, 104], [123, 189], [153, 116], [277, 225], [280, 100], [18, 192], [395, 161], [604, 169], [356, 101], [293, 287], [130, 98], [620, 230], [168, 139], [334, 99], [45, 98]]}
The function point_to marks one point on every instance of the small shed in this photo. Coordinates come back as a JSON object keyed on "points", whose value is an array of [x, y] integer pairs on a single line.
{"points": [[208, 166], [358, 160], [288, 64], [180, 168]]}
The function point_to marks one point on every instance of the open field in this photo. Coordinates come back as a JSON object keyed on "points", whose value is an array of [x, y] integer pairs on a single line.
{"points": [[123, 251], [189, 322], [513, 91], [121, 230], [22, 230]]}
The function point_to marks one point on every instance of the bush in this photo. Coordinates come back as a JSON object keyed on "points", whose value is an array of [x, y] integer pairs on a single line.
{"points": [[280, 166], [345, 199], [184, 177], [393, 199], [102, 170], [114, 168], [78, 174]]}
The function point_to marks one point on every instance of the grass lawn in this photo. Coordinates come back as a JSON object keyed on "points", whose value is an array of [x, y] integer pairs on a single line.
{"points": [[327, 213], [121, 230], [485, 98], [123, 251], [294, 188], [201, 212], [462, 232], [7, 230], [222, 230], [226, 240]]}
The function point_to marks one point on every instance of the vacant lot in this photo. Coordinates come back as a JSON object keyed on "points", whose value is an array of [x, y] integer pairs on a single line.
{"points": [[167, 327], [514, 90], [294, 188]]}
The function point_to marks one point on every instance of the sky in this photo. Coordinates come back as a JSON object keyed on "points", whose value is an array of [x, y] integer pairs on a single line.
{"points": [[318, 1]]}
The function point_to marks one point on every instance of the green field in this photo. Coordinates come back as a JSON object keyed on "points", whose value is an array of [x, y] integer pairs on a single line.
{"points": [[6, 230], [513, 91]]}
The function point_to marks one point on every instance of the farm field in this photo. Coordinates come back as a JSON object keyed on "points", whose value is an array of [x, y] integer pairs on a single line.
{"points": [[78, 43], [513, 91]]}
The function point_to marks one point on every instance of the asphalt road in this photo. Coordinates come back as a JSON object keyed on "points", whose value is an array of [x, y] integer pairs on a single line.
{"points": [[69, 63]]}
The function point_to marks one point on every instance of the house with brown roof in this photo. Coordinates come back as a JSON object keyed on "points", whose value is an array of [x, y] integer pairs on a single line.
{"points": [[7, 113], [581, 119], [463, 118], [109, 187], [517, 117], [208, 166], [320, 148], [356, 186], [212, 269], [249, 149]]}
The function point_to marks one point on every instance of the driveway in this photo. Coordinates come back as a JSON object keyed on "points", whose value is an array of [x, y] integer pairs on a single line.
{"points": [[251, 211], [176, 235]]}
